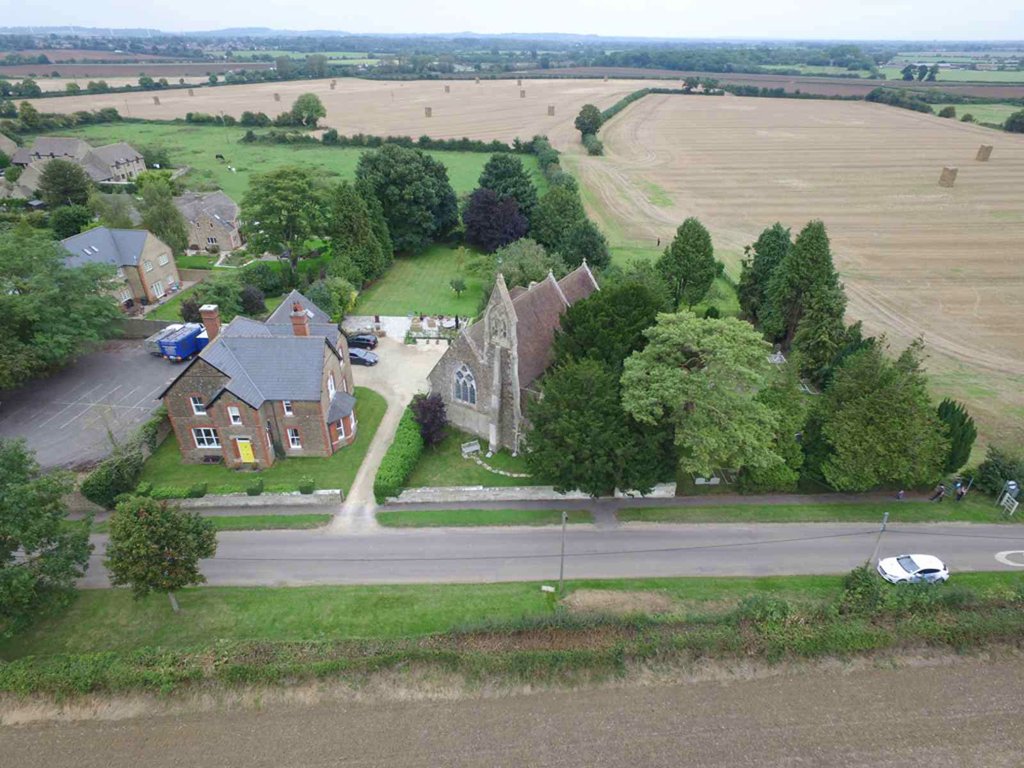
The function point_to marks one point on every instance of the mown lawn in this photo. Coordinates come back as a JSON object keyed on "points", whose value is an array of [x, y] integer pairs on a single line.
{"points": [[983, 113], [164, 469], [465, 518], [975, 510], [198, 145], [171, 309], [422, 284], [443, 465], [111, 620]]}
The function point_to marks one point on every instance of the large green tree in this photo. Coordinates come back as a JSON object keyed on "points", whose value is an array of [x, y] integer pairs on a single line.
{"points": [[307, 110], [114, 211], [523, 262], [156, 547], [820, 335], [790, 406], [582, 439], [63, 182], [418, 201], [758, 267], [41, 556], [878, 424], [160, 215], [585, 242], [607, 326], [589, 120], [49, 313], [805, 275], [688, 263], [352, 230], [281, 209], [960, 431], [505, 175], [69, 220], [557, 213], [702, 377], [1015, 123]]}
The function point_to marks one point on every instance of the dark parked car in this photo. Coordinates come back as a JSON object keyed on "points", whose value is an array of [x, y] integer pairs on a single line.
{"points": [[362, 341], [361, 357]]}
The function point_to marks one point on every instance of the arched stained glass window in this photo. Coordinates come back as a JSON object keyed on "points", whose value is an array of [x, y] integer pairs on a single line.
{"points": [[465, 386]]}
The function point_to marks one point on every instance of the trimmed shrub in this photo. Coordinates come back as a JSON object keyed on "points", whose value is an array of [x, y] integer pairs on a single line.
{"points": [[114, 476], [197, 491], [255, 488], [949, 111], [144, 489], [593, 144], [400, 460], [999, 466], [307, 485]]}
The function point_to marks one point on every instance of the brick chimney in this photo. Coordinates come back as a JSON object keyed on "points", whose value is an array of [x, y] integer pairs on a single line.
{"points": [[210, 315], [300, 320]]}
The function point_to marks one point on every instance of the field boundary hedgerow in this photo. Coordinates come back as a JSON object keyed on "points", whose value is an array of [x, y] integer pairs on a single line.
{"points": [[866, 617]]}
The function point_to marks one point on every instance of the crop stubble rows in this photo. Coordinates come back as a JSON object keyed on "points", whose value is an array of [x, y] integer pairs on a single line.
{"points": [[916, 259]]}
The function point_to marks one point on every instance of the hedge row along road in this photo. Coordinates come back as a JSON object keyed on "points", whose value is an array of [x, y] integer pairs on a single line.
{"points": [[486, 555]]}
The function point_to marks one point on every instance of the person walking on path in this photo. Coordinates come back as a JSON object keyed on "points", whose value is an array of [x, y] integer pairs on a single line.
{"points": [[940, 493]]}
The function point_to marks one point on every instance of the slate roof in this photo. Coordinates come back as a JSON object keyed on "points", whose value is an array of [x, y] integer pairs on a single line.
{"points": [[283, 314], [269, 368], [7, 146], [216, 205], [52, 146], [578, 284], [97, 162], [341, 406], [268, 362], [120, 247]]}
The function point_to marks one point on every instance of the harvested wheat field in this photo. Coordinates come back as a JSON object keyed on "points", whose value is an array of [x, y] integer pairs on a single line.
{"points": [[916, 258], [492, 109]]}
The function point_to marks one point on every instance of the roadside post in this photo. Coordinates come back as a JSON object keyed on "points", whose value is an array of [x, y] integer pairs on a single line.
{"points": [[561, 563], [878, 543]]}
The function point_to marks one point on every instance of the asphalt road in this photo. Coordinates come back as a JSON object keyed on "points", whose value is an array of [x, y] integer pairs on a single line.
{"points": [[65, 418], [636, 550], [961, 715]]}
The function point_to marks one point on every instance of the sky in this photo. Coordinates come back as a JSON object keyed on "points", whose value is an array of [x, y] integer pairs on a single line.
{"points": [[778, 19]]}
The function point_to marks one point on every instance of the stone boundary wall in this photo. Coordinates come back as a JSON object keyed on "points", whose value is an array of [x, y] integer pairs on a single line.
{"points": [[332, 497], [522, 493]]}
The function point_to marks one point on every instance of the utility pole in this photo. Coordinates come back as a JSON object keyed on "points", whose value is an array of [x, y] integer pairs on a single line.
{"points": [[878, 543], [561, 564]]}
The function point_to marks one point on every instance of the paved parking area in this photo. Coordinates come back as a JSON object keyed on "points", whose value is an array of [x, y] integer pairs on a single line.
{"points": [[66, 418]]}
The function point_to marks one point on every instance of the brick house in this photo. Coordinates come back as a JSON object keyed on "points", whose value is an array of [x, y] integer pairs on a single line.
{"points": [[212, 220], [259, 391], [146, 269], [485, 376], [111, 163]]}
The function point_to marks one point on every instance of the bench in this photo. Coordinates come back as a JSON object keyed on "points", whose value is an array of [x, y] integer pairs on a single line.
{"points": [[470, 448]]}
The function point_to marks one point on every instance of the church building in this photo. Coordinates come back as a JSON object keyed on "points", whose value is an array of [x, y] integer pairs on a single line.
{"points": [[487, 374]]}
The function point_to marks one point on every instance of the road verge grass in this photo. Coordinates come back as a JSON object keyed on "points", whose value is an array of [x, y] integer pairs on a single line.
{"points": [[503, 633], [973, 511], [252, 522], [458, 518]]}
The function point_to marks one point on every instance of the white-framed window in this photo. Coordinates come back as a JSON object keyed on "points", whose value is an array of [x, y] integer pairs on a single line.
{"points": [[234, 414], [293, 438], [198, 407], [331, 389], [164, 260], [211, 240], [465, 386], [120, 272], [148, 265], [158, 289], [205, 437], [287, 405], [125, 295]]}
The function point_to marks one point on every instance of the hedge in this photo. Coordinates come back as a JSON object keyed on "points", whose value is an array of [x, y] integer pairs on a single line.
{"points": [[400, 460], [114, 476], [593, 144]]}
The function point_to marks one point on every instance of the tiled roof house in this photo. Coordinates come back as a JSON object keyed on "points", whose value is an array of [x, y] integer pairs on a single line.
{"points": [[261, 391]]}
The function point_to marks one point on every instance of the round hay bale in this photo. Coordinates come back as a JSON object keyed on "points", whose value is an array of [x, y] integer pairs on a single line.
{"points": [[948, 176], [984, 153]]}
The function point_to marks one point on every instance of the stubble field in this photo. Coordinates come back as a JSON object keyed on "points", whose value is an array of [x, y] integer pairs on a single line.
{"points": [[492, 109], [916, 259]]}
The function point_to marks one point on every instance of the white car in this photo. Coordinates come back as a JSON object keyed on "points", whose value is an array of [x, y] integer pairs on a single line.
{"points": [[913, 569]]}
